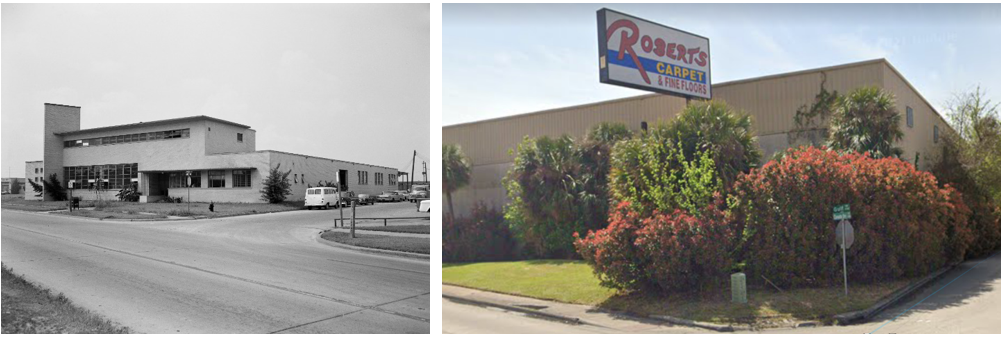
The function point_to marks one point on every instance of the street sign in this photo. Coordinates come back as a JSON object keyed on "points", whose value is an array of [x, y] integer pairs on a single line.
{"points": [[842, 212], [845, 234]]}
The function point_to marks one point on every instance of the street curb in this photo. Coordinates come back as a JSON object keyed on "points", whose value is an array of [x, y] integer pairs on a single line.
{"points": [[864, 315], [691, 323], [518, 309], [371, 250]]}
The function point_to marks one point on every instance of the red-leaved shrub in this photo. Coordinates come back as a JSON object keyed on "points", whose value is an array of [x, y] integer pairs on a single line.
{"points": [[482, 236], [687, 253], [905, 224], [612, 252], [673, 252]]}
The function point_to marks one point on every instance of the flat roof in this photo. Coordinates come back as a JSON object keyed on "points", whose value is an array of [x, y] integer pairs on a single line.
{"points": [[728, 83], [153, 123], [309, 156]]}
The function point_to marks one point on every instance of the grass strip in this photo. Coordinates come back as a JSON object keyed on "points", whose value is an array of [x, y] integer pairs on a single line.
{"points": [[574, 282], [29, 309], [395, 243]]}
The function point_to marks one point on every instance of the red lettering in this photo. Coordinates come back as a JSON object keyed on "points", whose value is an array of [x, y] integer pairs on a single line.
{"points": [[647, 44], [690, 54], [681, 50], [660, 46], [627, 40], [671, 48], [702, 59]]}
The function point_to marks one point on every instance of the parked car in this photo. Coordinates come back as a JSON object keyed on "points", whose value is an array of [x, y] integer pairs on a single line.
{"points": [[348, 197], [363, 199], [419, 192], [321, 197], [390, 196]]}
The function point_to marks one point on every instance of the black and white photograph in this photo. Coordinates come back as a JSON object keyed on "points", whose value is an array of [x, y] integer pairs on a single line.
{"points": [[224, 168]]}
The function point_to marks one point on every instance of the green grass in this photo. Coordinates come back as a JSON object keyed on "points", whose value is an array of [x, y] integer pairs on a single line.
{"points": [[104, 214], [410, 229], [28, 309], [395, 243], [574, 282], [119, 210], [17, 202], [564, 281]]}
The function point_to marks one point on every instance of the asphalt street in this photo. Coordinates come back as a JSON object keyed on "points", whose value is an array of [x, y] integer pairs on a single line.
{"points": [[966, 300], [249, 274]]}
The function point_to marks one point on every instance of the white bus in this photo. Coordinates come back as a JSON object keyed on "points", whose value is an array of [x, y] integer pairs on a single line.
{"points": [[321, 197]]}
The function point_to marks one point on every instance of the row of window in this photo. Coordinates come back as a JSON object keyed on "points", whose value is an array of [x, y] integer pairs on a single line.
{"points": [[216, 179], [363, 176], [107, 176], [38, 170], [139, 137]]}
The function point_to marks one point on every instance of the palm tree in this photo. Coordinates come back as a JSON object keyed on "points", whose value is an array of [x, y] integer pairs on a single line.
{"points": [[867, 120], [456, 172]]}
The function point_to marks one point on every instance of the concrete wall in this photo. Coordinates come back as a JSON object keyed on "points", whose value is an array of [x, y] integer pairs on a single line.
{"points": [[309, 170], [160, 155], [58, 119], [33, 171], [222, 138]]}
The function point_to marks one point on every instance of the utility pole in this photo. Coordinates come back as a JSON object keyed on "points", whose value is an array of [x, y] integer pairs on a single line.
{"points": [[411, 177], [424, 177]]}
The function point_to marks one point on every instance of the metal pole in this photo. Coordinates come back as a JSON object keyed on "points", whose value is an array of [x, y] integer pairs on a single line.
{"points": [[338, 190], [352, 231], [844, 260], [411, 177]]}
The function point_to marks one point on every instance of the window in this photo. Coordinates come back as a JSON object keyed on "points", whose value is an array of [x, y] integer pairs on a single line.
{"points": [[157, 135], [216, 179], [910, 117], [36, 170], [294, 178], [106, 176], [242, 178], [240, 137], [196, 179], [393, 179], [935, 134]]}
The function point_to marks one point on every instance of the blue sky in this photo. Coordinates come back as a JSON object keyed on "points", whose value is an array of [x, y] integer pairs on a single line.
{"points": [[501, 60]]}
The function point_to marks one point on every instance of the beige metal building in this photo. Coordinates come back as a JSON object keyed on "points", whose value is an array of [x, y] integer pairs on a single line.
{"points": [[771, 100]]}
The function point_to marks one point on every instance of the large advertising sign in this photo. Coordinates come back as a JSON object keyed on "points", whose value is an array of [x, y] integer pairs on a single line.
{"points": [[644, 55]]}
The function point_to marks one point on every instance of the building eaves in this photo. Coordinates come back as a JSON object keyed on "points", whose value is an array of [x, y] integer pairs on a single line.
{"points": [[153, 123]]}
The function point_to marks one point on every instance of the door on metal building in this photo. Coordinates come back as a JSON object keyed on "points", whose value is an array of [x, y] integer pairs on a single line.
{"points": [[343, 180]]}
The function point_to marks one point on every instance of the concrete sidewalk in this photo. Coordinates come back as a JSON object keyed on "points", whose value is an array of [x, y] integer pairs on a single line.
{"points": [[570, 313]]}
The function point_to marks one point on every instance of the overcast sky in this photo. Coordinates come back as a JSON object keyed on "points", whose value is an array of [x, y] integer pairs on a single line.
{"points": [[349, 82], [501, 60]]}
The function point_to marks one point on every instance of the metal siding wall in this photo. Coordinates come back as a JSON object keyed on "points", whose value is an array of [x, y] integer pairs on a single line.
{"points": [[919, 139], [771, 101]]}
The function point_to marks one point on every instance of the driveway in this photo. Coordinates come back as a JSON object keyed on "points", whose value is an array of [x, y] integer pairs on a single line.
{"points": [[249, 274]]}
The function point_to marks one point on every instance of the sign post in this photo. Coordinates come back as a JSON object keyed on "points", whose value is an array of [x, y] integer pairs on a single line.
{"points": [[188, 189], [845, 235]]}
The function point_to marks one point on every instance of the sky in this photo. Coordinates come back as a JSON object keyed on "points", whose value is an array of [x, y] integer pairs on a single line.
{"points": [[502, 60], [349, 82]]}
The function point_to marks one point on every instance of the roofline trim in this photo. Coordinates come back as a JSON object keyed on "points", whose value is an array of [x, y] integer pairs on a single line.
{"points": [[728, 83], [60, 105], [157, 122]]}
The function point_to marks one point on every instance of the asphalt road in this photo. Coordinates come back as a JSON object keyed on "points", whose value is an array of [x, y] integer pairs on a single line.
{"points": [[249, 274], [966, 300]]}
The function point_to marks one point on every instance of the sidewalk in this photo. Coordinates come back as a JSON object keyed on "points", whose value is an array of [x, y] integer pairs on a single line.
{"points": [[586, 315]]}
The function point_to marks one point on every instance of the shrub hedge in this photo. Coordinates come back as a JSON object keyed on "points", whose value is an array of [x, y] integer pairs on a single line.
{"points": [[905, 224], [482, 236]]}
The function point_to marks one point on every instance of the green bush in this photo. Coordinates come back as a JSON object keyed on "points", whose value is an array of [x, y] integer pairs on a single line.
{"points": [[558, 187], [276, 186], [482, 236], [866, 120], [905, 224]]}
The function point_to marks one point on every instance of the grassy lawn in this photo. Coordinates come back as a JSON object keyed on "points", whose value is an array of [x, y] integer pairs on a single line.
{"points": [[28, 309], [574, 282], [136, 210], [396, 243], [17, 202], [410, 229]]}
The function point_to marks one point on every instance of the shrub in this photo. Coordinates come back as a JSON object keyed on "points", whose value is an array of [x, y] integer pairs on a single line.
{"points": [[54, 188], [612, 253], [276, 186], [666, 251], [714, 127], [652, 173], [128, 194], [558, 187], [483, 236], [905, 224]]}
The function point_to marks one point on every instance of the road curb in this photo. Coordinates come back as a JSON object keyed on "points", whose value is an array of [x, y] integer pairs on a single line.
{"points": [[864, 315], [691, 323], [371, 250], [531, 312]]}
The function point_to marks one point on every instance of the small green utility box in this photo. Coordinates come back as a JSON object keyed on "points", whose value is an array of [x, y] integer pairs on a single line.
{"points": [[739, 286]]}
